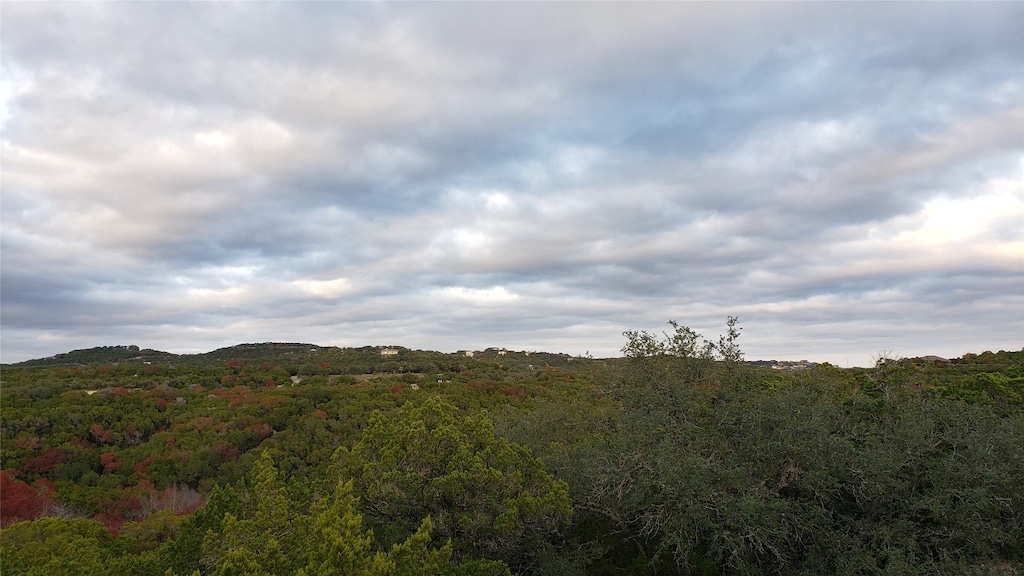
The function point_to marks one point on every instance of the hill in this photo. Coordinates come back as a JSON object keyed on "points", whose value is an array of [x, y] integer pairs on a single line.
{"points": [[123, 460], [307, 358], [102, 354]]}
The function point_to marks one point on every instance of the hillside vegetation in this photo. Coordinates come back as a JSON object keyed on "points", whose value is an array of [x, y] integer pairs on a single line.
{"points": [[678, 458]]}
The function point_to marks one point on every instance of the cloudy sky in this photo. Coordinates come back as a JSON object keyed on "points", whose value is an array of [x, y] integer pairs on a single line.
{"points": [[847, 178]]}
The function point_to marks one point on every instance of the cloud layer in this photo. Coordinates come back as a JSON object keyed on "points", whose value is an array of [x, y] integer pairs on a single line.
{"points": [[845, 178]]}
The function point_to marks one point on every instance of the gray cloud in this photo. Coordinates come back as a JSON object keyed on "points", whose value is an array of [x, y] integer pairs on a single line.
{"points": [[845, 178]]}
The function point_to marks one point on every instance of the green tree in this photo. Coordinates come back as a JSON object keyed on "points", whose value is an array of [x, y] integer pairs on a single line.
{"points": [[183, 555], [487, 494], [271, 535], [56, 546], [266, 535]]}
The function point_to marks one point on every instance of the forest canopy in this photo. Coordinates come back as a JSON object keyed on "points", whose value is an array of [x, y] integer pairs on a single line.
{"points": [[679, 458]]}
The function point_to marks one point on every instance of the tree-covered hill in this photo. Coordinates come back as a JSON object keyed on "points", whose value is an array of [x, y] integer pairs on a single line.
{"points": [[102, 354], [679, 458], [300, 358]]}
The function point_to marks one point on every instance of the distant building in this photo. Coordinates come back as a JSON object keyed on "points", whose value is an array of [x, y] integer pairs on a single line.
{"points": [[786, 364], [469, 353], [389, 351], [502, 352]]}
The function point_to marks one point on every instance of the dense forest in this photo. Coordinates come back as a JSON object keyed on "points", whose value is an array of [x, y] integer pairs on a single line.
{"points": [[678, 458]]}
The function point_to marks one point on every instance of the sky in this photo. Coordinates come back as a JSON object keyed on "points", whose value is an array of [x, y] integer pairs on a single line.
{"points": [[846, 178]]}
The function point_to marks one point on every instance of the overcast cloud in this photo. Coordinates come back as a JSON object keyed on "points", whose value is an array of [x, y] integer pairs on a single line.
{"points": [[847, 178]]}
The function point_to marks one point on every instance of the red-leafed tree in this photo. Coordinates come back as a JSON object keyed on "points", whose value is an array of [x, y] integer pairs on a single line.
{"points": [[26, 442], [101, 435], [110, 462], [259, 432], [227, 452], [112, 521], [46, 461], [19, 501], [142, 465]]}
